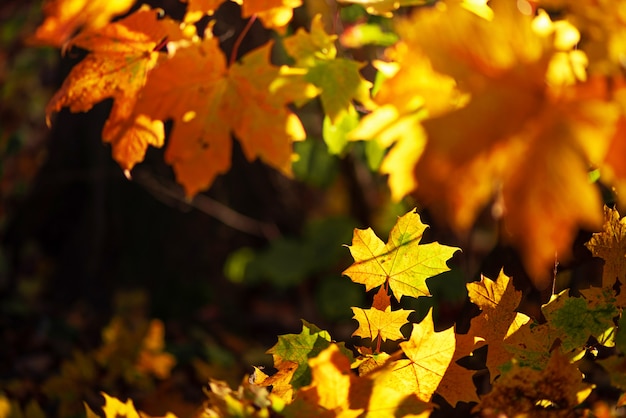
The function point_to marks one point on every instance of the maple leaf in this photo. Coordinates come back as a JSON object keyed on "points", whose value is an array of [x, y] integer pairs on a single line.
{"points": [[197, 9], [557, 388], [525, 142], [498, 320], [275, 14], [457, 384], [299, 348], [151, 358], [578, 318], [63, 18], [374, 323], [208, 101], [114, 408], [338, 78], [337, 392], [610, 245], [249, 400], [279, 381], [429, 354], [403, 263], [603, 29], [122, 54], [332, 381]]}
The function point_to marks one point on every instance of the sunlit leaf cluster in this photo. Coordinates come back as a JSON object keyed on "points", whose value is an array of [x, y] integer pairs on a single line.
{"points": [[505, 107]]}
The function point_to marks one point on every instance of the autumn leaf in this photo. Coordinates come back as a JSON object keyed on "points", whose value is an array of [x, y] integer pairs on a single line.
{"points": [[331, 383], [457, 384], [338, 78], [197, 9], [428, 356], [299, 348], [556, 389], [578, 318], [249, 400], [498, 301], [602, 27], [279, 381], [374, 323], [152, 358], [610, 245], [63, 18], [523, 143], [275, 14], [209, 101], [335, 391], [122, 54], [114, 408], [403, 263]]}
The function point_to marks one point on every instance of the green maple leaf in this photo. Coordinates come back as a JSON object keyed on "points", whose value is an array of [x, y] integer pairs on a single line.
{"points": [[578, 318], [403, 262], [299, 348]]}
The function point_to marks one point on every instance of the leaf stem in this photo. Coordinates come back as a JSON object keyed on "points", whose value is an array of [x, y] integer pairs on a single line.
{"points": [[246, 29], [378, 341]]}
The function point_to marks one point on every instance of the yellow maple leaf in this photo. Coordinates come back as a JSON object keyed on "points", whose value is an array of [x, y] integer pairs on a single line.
{"points": [[114, 408], [429, 354], [403, 264], [279, 381], [122, 54], [208, 101], [335, 391], [63, 18], [374, 323], [152, 358], [498, 301]]}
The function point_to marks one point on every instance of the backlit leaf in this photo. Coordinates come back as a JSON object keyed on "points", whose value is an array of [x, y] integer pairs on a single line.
{"points": [[122, 54], [610, 245], [299, 348], [374, 323], [498, 301], [402, 264], [63, 18], [429, 355], [210, 101]]}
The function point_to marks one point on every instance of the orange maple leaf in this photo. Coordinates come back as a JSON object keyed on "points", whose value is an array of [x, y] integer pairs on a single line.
{"points": [[403, 263], [122, 54], [523, 136], [610, 245], [64, 18], [275, 14], [498, 301], [457, 384], [208, 101]]}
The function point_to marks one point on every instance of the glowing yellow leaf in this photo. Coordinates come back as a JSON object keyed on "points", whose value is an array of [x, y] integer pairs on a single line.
{"points": [[403, 263], [429, 354], [498, 301], [374, 323]]}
